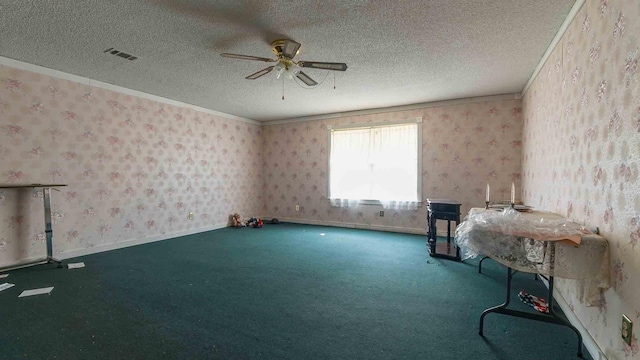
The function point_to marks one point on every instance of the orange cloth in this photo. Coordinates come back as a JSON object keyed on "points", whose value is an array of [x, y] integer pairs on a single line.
{"points": [[535, 216], [574, 239]]}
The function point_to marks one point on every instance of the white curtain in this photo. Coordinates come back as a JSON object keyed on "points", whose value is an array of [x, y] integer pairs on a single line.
{"points": [[376, 163]]}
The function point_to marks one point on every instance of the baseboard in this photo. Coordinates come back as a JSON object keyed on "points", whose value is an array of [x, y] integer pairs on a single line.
{"points": [[23, 263], [68, 254], [397, 229], [589, 344], [119, 245]]}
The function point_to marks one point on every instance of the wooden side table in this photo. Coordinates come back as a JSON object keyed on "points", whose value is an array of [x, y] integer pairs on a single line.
{"points": [[448, 210]]}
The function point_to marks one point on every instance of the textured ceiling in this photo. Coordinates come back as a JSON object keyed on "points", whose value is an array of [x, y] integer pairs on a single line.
{"points": [[398, 52]]}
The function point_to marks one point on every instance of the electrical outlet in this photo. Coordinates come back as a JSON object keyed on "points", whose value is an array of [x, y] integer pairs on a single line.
{"points": [[297, 207], [627, 329], [381, 212], [190, 216]]}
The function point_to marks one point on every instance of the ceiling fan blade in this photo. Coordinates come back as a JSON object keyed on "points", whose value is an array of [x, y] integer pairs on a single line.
{"points": [[259, 73], [306, 79], [290, 48], [323, 65], [246, 57]]}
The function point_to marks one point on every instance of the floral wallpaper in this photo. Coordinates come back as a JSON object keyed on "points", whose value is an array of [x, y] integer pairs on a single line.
{"points": [[581, 151], [135, 167], [464, 147]]}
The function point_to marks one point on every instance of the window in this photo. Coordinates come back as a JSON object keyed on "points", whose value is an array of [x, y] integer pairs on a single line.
{"points": [[376, 162]]}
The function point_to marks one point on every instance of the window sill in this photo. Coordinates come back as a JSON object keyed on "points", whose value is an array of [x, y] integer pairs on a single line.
{"points": [[376, 203], [369, 202]]}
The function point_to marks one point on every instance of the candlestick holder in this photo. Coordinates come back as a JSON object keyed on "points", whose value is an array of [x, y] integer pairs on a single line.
{"points": [[486, 204], [513, 205]]}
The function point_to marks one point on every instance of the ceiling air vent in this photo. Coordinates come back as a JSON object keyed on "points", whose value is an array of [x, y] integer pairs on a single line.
{"points": [[115, 52]]}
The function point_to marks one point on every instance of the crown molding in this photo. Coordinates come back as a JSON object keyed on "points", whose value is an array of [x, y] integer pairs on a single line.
{"points": [[563, 29], [119, 89], [397, 108]]}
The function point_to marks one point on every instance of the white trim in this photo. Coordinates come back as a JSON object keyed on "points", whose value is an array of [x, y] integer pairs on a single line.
{"points": [[417, 120], [23, 263], [419, 174], [329, 145], [398, 108], [563, 28], [365, 202], [119, 245], [589, 343], [397, 229], [86, 81]]}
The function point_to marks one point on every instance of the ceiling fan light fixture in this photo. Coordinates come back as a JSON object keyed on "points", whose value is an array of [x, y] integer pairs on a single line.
{"points": [[279, 68], [286, 70], [294, 69], [288, 75]]}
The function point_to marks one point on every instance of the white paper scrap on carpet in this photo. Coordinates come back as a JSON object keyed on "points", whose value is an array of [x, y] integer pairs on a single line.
{"points": [[76, 265], [321, 234], [5, 286], [2, 276], [40, 291]]}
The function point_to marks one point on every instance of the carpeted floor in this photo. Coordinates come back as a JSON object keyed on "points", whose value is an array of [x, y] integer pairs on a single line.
{"points": [[279, 292]]}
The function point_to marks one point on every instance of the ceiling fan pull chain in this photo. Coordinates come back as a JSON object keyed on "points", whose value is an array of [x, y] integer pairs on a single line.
{"points": [[334, 81], [283, 88]]}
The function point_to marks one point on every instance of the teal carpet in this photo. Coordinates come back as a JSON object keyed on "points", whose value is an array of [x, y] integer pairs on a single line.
{"points": [[279, 292]]}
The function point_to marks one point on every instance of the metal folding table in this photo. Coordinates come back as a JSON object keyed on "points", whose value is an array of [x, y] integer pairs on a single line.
{"points": [[46, 199], [541, 243]]}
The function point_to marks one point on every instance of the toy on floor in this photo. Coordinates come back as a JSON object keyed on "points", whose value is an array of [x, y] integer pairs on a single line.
{"points": [[535, 302], [255, 222], [236, 221]]}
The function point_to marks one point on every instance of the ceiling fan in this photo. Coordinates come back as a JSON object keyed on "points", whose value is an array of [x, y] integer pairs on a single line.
{"points": [[286, 50]]}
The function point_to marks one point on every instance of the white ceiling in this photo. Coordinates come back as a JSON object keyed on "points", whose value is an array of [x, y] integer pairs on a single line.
{"points": [[398, 52]]}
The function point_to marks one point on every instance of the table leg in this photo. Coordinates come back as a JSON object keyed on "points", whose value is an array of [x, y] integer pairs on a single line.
{"points": [[551, 318], [457, 249], [565, 323], [448, 237], [48, 228], [433, 234], [499, 307], [480, 264]]}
